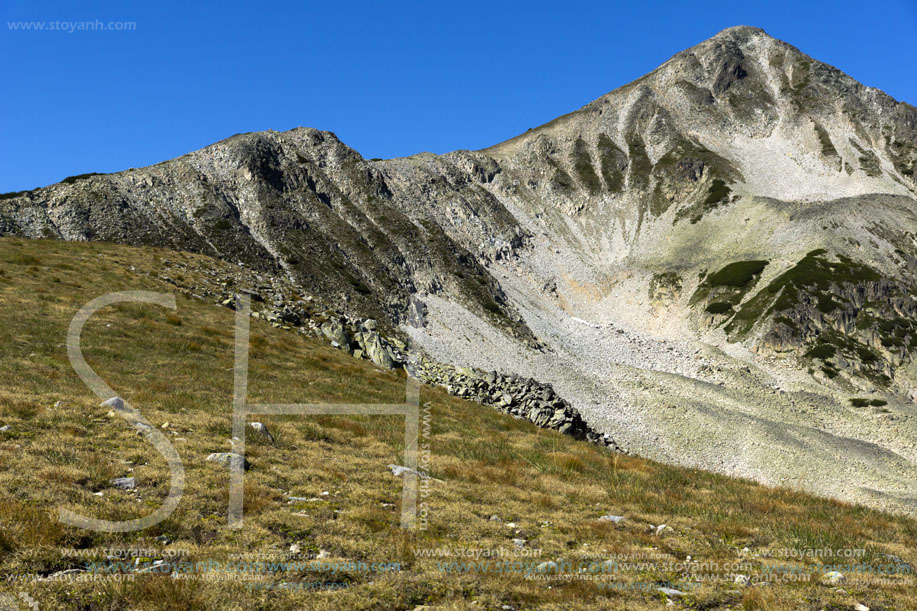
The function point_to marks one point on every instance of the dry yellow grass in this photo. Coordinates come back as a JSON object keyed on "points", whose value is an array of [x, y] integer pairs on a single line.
{"points": [[62, 448]]}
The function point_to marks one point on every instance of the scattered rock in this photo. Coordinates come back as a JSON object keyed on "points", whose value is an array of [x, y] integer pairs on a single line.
{"points": [[322, 554], [671, 591], [398, 471], [832, 578], [611, 518], [376, 351], [547, 567], [230, 460], [519, 543], [334, 331], [116, 403], [261, 430], [124, 483], [496, 518]]}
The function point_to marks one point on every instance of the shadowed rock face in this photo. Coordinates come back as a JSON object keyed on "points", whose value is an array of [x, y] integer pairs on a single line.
{"points": [[597, 253]]}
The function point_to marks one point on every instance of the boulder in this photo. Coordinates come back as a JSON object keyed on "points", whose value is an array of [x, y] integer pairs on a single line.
{"points": [[335, 332], [115, 403], [398, 471], [124, 483], [261, 431], [229, 459], [376, 351]]}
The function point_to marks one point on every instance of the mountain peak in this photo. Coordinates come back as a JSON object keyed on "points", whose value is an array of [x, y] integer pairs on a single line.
{"points": [[740, 32]]}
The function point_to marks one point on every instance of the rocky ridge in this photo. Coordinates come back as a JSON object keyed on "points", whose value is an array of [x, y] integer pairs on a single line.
{"points": [[574, 254]]}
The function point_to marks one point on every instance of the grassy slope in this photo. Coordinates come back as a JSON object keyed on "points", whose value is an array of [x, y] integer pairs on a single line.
{"points": [[175, 367]]}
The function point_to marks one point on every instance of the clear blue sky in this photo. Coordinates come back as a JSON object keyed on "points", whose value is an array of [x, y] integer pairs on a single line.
{"points": [[390, 78]]}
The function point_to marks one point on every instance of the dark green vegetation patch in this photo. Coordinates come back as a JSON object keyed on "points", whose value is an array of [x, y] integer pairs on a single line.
{"points": [[723, 290], [859, 402], [582, 165], [72, 179], [811, 306], [737, 274], [719, 307], [718, 193], [12, 194], [612, 163], [821, 351]]}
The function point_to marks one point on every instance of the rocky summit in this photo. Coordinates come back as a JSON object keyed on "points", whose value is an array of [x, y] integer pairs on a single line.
{"points": [[714, 265]]}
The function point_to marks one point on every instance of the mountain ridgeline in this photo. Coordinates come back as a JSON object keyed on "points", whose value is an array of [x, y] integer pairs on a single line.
{"points": [[715, 263]]}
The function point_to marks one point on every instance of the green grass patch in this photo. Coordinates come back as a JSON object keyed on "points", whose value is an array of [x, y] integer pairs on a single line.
{"points": [[72, 179], [738, 274], [718, 193], [719, 307], [582, 165], [822, 351]]}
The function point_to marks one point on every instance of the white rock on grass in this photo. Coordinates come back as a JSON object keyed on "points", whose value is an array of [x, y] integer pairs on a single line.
{"points": [[261, 430], [124, 483], [229, 459], [398, 471], [116, 403], [611, 518]]}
